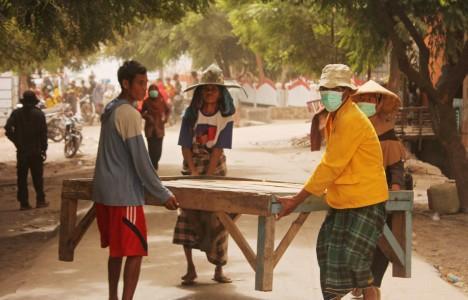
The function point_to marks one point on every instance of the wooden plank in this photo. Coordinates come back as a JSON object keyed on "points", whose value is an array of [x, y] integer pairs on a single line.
{"points": [[82, 227], [189, 198], [402, 230], [80, 188], [67, 225], [312, 203], [227, 201], [391, 248], [238, 238], [289, 236], [265, 253]]}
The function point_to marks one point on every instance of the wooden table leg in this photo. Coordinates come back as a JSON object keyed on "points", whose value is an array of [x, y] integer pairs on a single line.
{"points": [[402, 230], [67, 225], [265, 253]]}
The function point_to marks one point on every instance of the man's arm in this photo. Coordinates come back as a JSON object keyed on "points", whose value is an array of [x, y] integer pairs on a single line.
{"points": [[341, 146], [10, 128], [43, 133], [188, 157], [214, 159], [128, 123]]}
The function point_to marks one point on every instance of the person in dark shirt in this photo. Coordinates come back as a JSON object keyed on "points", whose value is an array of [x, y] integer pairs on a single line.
{"points": [[27, 129]]}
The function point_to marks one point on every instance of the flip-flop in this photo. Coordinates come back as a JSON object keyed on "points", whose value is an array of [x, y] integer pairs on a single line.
{"points": [[222, 279]]}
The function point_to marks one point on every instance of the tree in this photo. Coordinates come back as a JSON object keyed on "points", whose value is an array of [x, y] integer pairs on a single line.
{"points": [[207, 37], [301, 38], [421, 32], [74, 28]]}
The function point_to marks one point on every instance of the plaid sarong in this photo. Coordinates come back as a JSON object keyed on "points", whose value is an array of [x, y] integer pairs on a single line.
{"points": [[346, 246], [200, 229], [201, 159]]}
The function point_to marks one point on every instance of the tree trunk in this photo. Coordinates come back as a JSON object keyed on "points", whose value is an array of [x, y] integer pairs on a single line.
{"points": [[446, 128], [23, 85], [261, 72], [394, 78]]}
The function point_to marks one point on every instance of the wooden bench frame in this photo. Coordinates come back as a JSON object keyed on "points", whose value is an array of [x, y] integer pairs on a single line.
{"points": [[395, 243]]}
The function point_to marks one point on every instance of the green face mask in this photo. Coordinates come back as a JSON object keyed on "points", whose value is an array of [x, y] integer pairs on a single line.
{"points": [[153, 93], [331, 100], [367, 108]]}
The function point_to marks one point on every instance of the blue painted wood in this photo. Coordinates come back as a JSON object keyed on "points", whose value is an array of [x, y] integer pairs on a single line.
{"points": [[265, 254], [398, 201], [398, 206], [409, 242], [397, 249]]}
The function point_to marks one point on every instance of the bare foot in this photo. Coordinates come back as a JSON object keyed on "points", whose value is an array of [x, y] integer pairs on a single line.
{"points": [[220, 277], [371, 293], [190, 276], [357, 293]]}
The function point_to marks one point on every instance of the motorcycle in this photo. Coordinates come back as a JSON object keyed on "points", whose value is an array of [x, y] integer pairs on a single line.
{"points": [[55, 123], [73, 136]]}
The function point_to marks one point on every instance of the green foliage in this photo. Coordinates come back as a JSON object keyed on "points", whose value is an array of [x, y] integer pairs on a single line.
{"points": [[440, 23], [206, 37], [30, 30], [288, 35]]}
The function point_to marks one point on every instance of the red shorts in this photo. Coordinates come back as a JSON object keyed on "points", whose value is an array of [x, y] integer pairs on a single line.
{"points": [[123, 229]]}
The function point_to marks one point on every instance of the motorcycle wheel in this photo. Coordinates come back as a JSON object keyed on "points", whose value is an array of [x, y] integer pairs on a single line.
{"points": [[56, 134], [70, 148]]}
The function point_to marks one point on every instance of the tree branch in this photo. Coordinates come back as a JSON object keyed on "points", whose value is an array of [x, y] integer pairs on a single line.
{"points": [[417, 37], [422, 80], [449, 84]]}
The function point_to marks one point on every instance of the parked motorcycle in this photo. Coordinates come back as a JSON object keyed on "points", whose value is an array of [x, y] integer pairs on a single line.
{"points": [[55, 123], [73, 136]]}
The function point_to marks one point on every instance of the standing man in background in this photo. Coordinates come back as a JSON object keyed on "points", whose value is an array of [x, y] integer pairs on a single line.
{"points": [[27, 129]]}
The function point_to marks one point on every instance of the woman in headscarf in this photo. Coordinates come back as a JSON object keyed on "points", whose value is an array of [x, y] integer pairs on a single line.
{"points": [[380, 106], [206, 130]]}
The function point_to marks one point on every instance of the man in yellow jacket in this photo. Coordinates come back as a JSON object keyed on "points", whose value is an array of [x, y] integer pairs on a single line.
{"points": [[352, 176]]}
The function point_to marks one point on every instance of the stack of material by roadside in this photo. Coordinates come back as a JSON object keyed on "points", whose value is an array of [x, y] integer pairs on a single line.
{"points": [[443, 198]]}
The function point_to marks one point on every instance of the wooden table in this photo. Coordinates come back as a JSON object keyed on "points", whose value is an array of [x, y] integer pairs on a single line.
{"points": [[223, 195]]}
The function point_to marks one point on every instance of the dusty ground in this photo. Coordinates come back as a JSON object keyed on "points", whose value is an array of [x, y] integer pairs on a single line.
{"points": [[443, 243], [23, 235]]}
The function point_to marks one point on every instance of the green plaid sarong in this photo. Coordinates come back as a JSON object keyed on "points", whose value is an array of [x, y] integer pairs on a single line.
{"points": [[346, 246]]}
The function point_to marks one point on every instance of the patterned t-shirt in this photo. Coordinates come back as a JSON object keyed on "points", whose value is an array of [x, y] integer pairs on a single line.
{"points": [[209, 131]]}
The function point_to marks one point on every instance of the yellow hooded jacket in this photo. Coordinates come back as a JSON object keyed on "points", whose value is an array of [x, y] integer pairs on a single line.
{"points": [[351, 171]]}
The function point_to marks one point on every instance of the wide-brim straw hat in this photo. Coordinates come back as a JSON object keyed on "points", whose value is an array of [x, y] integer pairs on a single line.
{"points": [[336, 75], [212, 75], [391, 101]]}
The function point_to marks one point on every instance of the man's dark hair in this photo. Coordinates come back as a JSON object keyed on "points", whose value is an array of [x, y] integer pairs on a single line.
{"points": [[129, 70]]}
